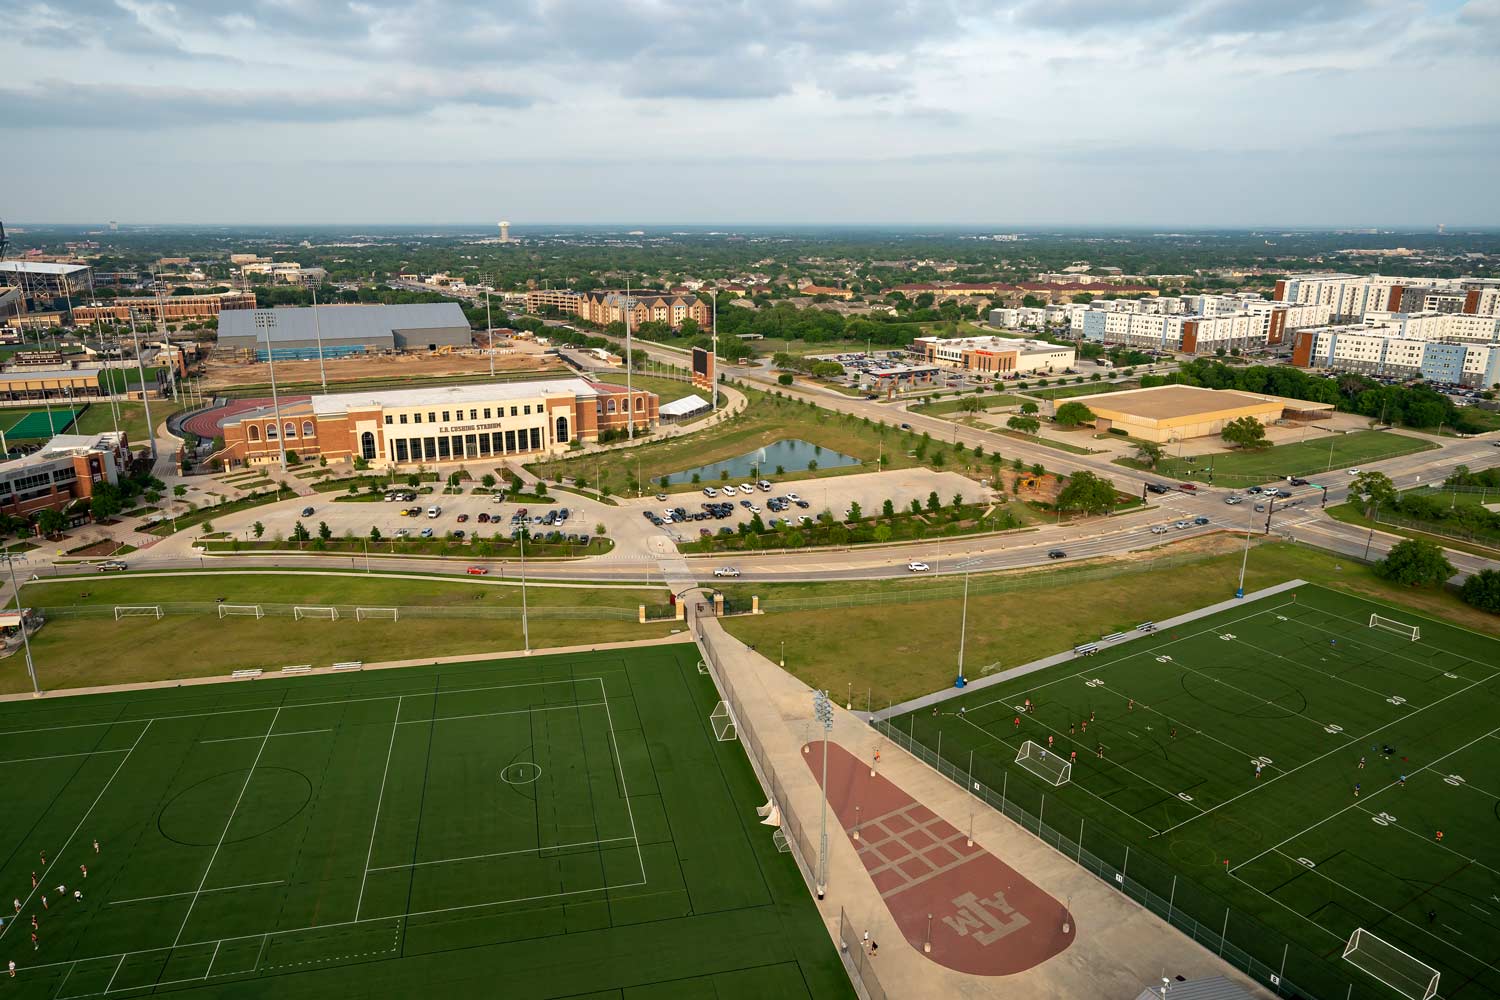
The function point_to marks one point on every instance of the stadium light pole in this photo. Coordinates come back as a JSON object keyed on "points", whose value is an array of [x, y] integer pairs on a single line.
{"points": [[823, 712], [489, 328], [1244, 560], [265, 320], [963, 628], [525, 628], [318, 336], [713, 389], [629, 402], [140, 367], [36, 690]]}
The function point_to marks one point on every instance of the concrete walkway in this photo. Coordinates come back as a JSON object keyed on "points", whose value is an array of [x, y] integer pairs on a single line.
{"points": [[1119, 949]]}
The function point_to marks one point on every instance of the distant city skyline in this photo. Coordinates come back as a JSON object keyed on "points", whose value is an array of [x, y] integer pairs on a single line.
{"points": [[1012, 113]]}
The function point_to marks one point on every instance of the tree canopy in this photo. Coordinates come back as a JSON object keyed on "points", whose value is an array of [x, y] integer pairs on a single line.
{"points": [[1415, 563]]}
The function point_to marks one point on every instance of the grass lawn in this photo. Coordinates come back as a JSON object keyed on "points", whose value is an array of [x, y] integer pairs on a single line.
{"points": [[1353, 513], [492, 546], [766, 420], [197, 643], [98, 419], [1087, 389], [1038, 439], [668, 389], [1304, 458], [941, 407], [904, 525], [909, 647], [1281, 769], [804, 348], [532, 828], [172, 525]]}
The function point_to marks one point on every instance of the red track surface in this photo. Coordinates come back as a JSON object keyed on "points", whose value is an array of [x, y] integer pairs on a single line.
{"points": [[986, 918], [207, 423]]}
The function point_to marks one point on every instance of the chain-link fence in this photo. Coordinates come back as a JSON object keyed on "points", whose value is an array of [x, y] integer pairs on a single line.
{"points": [[1211, 921], [227, 609], [798, 840]]}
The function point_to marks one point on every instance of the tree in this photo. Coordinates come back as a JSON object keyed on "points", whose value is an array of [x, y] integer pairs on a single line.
{"points": [[1026, 425], [916, 506], [258, 529], [1149, 452], [1246, 431], [1482, 590], [179, 490], [50, 522], [1375, 485], [374, 534], [958, 500], [324, 531], [854, 512], [414, 480], [888, 509], [1073, 414], [300, 532], [933, 503], [487, 480], [1086, 492], [785, 378], [107, 501], [541, 487], [1029, 408], [1415, 563]]}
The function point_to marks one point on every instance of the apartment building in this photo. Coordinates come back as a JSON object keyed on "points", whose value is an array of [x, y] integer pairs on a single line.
{"points": [[1380, 350], [1350, 297]]}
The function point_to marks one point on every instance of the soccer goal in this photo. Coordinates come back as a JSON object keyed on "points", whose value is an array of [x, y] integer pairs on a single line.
{"points": [[1392, 966], [722, 719], [137, 610], [300, 612], [1412, 632], [249, 610], [1045, 764], [380, 614]]}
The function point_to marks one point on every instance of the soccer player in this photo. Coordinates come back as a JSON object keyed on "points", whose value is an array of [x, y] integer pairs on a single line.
{"points": [[1017, 722], [1257, 770], [934, 711], [1084, 726], [33, 922], [62, 890], [33, 880], [1099, 751], [1070, 729], [44, 859], [78, 895], [96, 845], [85, 868], [18, 904], [1130, 707], [1049, 741], [1174, 732], [1440, 836], [1356, 789], [1401, 781], [1073, 757], [1361, 763], [33, 941], [12, 969], [44, 903]]}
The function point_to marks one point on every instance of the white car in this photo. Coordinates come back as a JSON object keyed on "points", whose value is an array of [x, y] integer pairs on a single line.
{"points": [[709, 491], [1159, 529], [755, 508], [765, 485], [1180, 525], [747, 488], [917, 567], [1234, 500], [726, 571], [793, 497], [1353, 472], [434, 511]]}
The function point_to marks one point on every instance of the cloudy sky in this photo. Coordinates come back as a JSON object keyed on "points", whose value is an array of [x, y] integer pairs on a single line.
{"points": [[983, 112]]}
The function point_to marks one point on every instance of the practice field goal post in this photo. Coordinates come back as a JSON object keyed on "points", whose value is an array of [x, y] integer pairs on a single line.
{"points": [[722, 719], [380, 614], [1045, 764], [137, 611], [300, 612], [1412, 632], [1392, 966], [249, 610]]}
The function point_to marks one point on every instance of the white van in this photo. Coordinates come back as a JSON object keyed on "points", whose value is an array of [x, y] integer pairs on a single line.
{"points": [[434, 510]]}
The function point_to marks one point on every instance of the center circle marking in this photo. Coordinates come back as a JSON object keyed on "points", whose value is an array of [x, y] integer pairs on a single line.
{"points": [[522, 772]]}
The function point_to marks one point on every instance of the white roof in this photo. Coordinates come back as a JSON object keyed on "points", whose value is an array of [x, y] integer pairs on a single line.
{"points": [[40, 267], [486, 392], [682, 407]]}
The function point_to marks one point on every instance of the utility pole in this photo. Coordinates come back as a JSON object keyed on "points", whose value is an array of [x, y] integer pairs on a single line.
{"points": [[525, 627], [713, 392]]}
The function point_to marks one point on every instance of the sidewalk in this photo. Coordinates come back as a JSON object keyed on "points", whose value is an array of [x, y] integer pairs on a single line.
{"points": [[1119, 947]]}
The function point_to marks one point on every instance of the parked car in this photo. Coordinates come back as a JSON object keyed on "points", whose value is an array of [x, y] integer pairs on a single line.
{"points": [[729, 571], [747, 488], [462, 518], [307, 512], [477, 571], [459, 534], [917, 567], [434, 511], [764, 485], [426, 532], [483, 518], [709, 491], [403, 532], [793, 497], [661, 496]]}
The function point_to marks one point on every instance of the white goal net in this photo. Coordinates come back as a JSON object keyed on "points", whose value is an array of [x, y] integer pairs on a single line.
{"points": [[1045, 764], [327, 614], [722, 720], [137, 611], [381, 614], [1412, 632], [1392, 966], [249, 610]]}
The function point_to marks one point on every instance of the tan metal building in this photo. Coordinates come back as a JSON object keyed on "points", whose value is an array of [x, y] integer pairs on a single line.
{"points": [[1179, 412]]}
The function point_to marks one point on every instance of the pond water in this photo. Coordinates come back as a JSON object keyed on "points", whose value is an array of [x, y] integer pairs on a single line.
{"points": [[793, 455]]}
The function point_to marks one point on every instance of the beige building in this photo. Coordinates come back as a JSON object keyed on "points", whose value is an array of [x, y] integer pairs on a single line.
{"points": [[1178, 412]]}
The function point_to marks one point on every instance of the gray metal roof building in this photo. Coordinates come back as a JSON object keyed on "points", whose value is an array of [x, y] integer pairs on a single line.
{"points": [[344, 330]]}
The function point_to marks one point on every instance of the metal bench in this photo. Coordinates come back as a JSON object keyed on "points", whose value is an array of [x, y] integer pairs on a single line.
{"points": [[247, 674], [300, 668], [1146, 627], [1087, 649], [1113, 637], [350, 665]]}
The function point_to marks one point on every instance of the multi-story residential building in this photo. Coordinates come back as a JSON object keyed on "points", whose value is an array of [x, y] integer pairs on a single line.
{"points": [[605, 307], [1382, 350], [1003, 356], [1350, 297]]}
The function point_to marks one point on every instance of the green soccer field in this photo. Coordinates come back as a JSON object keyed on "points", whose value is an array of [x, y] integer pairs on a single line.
{"points": [[1291, 861], [564, 826], [20, 425]]}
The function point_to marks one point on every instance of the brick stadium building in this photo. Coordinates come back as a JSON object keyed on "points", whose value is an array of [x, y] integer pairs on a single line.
{"points": [[64, 470], [410, 427]]}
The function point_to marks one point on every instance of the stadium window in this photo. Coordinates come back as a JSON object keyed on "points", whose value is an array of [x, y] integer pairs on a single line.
{"points": [[270, 432], [443, 447], [291, 429], [403, 418], [473, 414], [445, 416], [486, 413], [528, 409], [536, 438], [497, 443], [510, 441], [307, 428], [416, 418], [401, 451], [431, 417], [254, 433], [389, 420], [429, 445], [484, 444], [513, 412]]}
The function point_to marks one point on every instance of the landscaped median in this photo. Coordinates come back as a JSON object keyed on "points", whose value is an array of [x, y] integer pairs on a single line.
{"points": [[469, 548], [168, 525], [930, 522], [433, 617], [1311, 458]]}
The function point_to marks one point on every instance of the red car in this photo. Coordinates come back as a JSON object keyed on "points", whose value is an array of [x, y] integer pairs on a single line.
{"points": [[462, 518], [1189, 487], [478, 571]]}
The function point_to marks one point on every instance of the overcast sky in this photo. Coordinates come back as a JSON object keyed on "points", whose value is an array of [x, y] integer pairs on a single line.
{"points": [[1004, 113]]}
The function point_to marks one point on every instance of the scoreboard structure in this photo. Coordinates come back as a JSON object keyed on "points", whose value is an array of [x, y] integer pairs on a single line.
{"points": [[705, 370]]}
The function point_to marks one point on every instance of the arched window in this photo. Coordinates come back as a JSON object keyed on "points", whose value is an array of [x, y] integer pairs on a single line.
{"points": [[640, 402], [562, 429], [367, 444], [270, 432], [611, 406], [307, 428], [254, 433], [291, 429]]}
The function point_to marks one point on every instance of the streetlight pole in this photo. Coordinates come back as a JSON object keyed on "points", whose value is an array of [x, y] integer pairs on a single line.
{"points": [[823, 712], [963, 628], [629, 402], [1244, 561], [1370, 539], [713, 390], [36, 690], [489, 328], [525, 627]]}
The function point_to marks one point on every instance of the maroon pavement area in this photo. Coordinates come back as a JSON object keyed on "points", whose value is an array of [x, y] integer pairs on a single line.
{"points": [[207, 423], [986, 918]]}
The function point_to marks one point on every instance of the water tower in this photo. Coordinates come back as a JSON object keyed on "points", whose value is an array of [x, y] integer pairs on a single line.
{"points": [[504, 232]]}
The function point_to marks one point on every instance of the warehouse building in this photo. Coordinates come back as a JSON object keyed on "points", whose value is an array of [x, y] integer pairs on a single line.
{"points": [[1179, 412], [410, 427], [296, 334]]}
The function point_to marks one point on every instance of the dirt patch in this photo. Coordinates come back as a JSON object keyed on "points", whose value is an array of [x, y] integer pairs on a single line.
{"points": [[223, 372], [105, 548]]}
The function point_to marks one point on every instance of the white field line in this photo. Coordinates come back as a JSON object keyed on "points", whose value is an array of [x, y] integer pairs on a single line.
{"points": [[375, 824], [504, 854], [189, 892], [274, 736], [624, 790]]}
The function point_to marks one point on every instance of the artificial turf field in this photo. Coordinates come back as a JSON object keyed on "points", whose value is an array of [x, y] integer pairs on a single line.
{"points": [[557, 827], [1299, 681], [24, 424]]}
